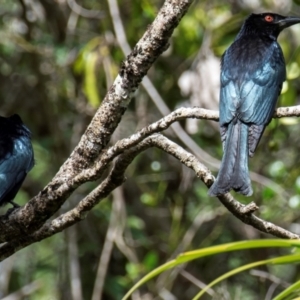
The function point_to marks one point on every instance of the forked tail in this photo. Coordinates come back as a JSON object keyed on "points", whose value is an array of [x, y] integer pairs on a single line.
{"points": [[234, 173]]}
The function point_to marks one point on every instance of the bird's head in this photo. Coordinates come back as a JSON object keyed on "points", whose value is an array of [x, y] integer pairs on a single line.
{"points": [[268, 23], [16, 119], [17, 126]]}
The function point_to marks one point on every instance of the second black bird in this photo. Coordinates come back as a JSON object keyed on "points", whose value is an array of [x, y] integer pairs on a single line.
{"points": [[16, 157], [252, 73]]}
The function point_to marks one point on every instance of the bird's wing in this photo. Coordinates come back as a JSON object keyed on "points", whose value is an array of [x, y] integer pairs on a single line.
{"points": [[259, 94], [13, 169], [251, 97]]}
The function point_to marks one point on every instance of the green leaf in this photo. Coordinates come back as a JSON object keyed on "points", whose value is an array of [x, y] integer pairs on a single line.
{"points": [[191, 255], [278, 260], [293, 71], [90, 79], [293, 288]]}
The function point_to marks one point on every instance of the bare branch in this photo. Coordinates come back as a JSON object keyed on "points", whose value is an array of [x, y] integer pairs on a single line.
{"points": [[116, 178], [179, 114], [25, 291], [86, 13], [155, 40], [242, 212], [77, 214], [291, 111], [97, 170]]}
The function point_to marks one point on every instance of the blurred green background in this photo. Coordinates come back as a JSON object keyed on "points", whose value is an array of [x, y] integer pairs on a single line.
{"points": [[57, 60]]}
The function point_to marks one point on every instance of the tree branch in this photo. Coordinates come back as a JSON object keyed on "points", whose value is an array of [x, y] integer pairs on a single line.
{"points": [[79, 213], [116, 178], [179, 114], [155, 40], [242, 212], [291, 111]]}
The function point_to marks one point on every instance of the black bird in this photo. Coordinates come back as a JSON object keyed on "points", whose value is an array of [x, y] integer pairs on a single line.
{"points": [[252, 73], [16, 157]]}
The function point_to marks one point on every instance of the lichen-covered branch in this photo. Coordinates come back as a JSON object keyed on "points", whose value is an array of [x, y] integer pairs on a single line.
{"points": [[155, 40], [290, 111], [179, 114], [77, 214], [116, 178]]}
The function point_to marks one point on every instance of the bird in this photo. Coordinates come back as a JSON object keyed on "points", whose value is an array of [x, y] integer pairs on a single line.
{"points": [[252, 74], [16, 157]]}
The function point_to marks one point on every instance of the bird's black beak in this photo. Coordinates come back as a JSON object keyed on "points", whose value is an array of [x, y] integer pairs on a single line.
{"points": [[288, 21]]}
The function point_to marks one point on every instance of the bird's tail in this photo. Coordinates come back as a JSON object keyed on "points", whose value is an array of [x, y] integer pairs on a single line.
{"points": [[233, 173]]}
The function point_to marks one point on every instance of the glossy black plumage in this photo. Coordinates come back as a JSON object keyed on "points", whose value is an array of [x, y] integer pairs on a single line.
{"points": [[16, 157], [252, 73]]}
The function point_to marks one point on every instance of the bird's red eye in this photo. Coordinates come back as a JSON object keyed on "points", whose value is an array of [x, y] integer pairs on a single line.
{"points": [[269, 18]]}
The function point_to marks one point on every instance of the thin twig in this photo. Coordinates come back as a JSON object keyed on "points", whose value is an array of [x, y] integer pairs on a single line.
{"points": [[198, 283], [236, 208], [74, 265], [107, 248], [86, 13]]}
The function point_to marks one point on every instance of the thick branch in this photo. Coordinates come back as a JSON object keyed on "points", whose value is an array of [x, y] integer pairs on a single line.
{"points": [[77, 214], [133, 69], [147, 50]]}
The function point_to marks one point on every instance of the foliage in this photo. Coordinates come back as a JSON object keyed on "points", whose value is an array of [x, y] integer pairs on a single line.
{"points": [[196, 254]]}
